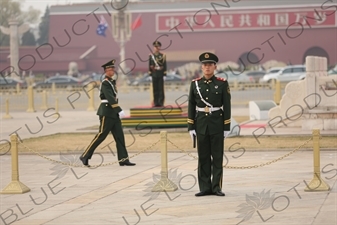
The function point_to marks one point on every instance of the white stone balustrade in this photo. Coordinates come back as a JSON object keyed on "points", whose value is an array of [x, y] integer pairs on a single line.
{"points": [[309, 103]]}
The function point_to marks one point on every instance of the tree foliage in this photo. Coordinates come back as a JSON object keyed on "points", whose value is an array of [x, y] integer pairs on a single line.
{"points": [[12, 9], [44, 28], [31, 16], [8, 9], [28, 39]]}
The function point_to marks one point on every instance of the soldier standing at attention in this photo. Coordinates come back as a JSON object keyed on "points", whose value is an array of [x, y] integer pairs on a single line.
{"points": [[109, 113], [209, 117], [157, 70]]}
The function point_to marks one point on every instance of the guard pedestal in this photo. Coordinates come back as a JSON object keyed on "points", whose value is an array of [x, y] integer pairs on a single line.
{"points": [[258, 110]]}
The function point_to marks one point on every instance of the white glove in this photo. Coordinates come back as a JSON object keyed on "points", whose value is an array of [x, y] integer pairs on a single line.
{"points": [[225, 133], [192, 132], [164, 78], [121, 114]]}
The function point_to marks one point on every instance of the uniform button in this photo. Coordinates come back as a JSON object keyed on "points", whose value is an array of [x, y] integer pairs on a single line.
{"points": [[206, 89], [206, 114], [220, 114], [206, 97], [216, 92]]}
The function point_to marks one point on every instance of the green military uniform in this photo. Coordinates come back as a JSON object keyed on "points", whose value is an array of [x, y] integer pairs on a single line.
{"points": [[157, 70], [209, 126], [108, 113]]}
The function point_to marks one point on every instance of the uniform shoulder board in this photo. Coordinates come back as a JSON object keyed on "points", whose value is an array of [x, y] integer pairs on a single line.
{"points": [[220, 78], [196, 79]]}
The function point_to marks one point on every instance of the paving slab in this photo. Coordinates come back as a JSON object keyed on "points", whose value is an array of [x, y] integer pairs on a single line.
{"points": [[113, 194], [59, 194]]}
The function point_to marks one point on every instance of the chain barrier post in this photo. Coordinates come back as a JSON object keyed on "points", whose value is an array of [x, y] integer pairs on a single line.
{"points": [[272, 83], [7, 116], [30, 99], [18, 88], [15, 186], [44, 105], [53, 88], [164, 184], [124, 86], [277, 94], [236, 85], [57, 114], [91, 106], [317, 183]]}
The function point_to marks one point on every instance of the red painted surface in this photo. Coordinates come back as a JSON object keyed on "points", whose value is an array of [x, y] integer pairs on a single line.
{"points": [[205, 21], [253, 125]]}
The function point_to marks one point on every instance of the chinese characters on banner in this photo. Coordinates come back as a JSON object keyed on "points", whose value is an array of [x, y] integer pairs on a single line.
{"points": [[207, 20]]}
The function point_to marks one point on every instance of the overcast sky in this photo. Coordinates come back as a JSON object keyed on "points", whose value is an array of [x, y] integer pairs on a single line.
{"points": [[42, 4]]}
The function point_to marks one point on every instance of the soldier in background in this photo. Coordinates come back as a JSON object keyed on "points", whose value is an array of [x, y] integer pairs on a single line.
{"points": [[109, 113], [157, 70], [209, 117]]}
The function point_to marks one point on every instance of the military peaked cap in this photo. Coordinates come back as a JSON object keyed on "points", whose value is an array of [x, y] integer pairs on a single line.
{"points": [[157, 44], [208, 57], [110, 64]]}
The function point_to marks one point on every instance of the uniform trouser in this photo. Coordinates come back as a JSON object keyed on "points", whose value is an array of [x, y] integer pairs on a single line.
{"points": [[210, 159], [158, 90], [113, 125]]}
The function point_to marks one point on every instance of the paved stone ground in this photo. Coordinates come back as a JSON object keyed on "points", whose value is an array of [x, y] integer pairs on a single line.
{"points": [[121, 195], [37, 124], [112, 194]]}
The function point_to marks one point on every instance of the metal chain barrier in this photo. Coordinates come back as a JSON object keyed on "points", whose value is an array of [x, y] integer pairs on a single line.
{"points": [[2, 148], [91, 166], [249, 167], [182, 150]]}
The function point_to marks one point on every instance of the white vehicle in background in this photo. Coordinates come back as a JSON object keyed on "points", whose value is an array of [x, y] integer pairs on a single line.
{"points": [[285, 74], [274, 70]]}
